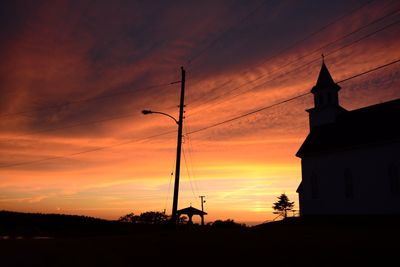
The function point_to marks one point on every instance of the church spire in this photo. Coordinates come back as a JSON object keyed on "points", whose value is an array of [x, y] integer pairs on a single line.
{"points": [[326, 99], [325, 79]]}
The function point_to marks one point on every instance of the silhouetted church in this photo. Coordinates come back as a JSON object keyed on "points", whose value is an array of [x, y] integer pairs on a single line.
{"points": [[350, 159]]}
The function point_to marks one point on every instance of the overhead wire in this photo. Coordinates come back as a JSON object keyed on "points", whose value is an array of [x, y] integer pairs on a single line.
{"points": [[220, 35], [329, 53], [79, 124], [210, 90], [84, 151], [347, 35], [71, 126], [152, 47], [304, 39], [295, 69], [187, 171], [176, 82], [296, 42], [84, 100], [188, 143], [169, 185], [287, 100], [224, 84], [200, 129], [370, 70], [247, 114], [324, 27]]}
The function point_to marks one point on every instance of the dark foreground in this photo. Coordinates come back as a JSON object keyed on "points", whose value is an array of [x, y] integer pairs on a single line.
{"points": [[295, 242]]}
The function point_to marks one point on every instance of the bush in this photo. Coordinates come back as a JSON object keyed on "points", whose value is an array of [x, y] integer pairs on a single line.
{"points": [[148, 217], [229, 223]]}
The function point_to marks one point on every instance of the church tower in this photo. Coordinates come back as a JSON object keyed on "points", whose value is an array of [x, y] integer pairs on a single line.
{"points": [[326, 99]]}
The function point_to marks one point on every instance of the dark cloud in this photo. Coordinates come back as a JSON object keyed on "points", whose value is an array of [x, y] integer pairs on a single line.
{"points": [[95, 60], [63, 52]]}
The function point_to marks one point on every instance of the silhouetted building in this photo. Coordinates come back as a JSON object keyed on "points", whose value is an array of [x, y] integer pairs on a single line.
{"points": [[350, 159], [190, 211]]}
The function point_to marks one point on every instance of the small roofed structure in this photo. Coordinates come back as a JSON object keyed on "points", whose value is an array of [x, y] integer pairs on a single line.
{"points": [[190, 211]]}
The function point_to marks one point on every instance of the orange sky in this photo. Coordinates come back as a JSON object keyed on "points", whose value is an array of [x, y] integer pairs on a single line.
{"points": [[56, 54]]}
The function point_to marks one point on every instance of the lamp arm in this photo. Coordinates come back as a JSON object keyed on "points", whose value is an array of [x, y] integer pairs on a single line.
{"points": [[165, 114]]}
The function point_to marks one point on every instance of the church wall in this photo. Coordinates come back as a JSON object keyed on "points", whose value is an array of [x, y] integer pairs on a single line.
{"points": [[359, 181]]}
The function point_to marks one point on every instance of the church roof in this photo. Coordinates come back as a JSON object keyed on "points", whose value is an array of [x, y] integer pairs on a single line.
{"points": [[371, 125], [324, 80]]}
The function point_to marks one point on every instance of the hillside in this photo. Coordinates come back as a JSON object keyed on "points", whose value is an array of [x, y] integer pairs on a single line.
{"points": [[28, 225], [358, 241]]}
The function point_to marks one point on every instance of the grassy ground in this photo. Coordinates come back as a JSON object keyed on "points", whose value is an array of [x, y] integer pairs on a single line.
{"points": [[327, 242]]}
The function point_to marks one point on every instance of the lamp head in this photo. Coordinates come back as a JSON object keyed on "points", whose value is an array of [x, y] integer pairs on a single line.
{"points": [[145, 112]]}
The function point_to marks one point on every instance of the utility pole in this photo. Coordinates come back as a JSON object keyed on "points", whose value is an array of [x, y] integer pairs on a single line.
{"points": [[178, 149], [202, 209]]}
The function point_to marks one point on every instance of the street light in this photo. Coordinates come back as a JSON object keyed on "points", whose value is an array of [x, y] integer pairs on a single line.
{"points": [[178, 161], [146, 112], [178, 146]]}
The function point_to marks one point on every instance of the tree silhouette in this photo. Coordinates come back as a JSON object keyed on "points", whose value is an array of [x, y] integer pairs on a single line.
{"points": [[229, 223], [283, 205], [131, 218], [153, 217], [148, 217]]}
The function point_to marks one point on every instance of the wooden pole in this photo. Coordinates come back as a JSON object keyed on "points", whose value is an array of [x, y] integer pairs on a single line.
{"points": [[178, 149]]}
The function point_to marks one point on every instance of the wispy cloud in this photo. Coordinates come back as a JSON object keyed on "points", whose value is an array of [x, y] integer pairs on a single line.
{"points": [[69, 55]]}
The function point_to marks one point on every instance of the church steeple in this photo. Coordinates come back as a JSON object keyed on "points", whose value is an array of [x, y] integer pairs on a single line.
{"points": [[325, 90], [326, 99], [324, 78]]}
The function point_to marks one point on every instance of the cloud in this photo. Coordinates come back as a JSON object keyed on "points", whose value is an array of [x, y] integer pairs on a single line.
{"points": [[93, 62]]}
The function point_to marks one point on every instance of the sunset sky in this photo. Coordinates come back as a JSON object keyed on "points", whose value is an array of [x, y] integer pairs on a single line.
{"points": [[75, 76]]}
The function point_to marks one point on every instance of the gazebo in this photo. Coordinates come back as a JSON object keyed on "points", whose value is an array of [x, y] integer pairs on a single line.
{"points": [[190, 211]]}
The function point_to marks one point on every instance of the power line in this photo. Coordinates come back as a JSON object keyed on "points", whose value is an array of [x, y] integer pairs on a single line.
{"points": [[297, 68], [84, 151], [329, 53], [368, 71], [317, 31], [366, 36], [287, 100], [344, 37], [84, 100], [304, 56], [187, 171], [73, 126], [213, 89], [152, 47], [247, 114], [190, 149], [195, 131], [169, 185], [349, 34], [213, 42], [124, 92]]}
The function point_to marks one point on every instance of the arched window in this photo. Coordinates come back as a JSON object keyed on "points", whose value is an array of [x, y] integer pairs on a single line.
{"points": [[394, 179], [348, 184], [314, 186]]}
